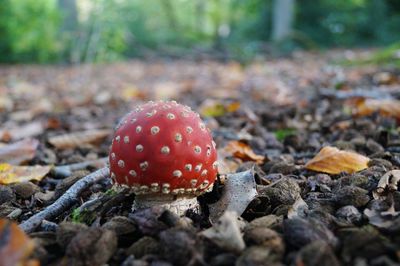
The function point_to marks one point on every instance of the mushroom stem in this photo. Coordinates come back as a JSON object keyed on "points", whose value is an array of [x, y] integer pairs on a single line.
{"points": [[176, 204]]}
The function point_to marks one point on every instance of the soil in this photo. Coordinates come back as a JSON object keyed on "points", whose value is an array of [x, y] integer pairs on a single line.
{"points": [[284, 109]]}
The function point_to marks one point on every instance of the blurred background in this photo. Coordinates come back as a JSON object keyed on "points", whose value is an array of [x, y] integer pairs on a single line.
{"points": [[79, 31]]}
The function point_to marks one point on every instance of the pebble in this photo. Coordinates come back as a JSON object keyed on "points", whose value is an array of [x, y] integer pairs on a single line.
{"points": [[121, 225], [351, 195], [315, 254], [144, 246], [349, 214], [68, 230], [299, 232], [6, 194], [265, 237], [25, 189], [94, 246]]}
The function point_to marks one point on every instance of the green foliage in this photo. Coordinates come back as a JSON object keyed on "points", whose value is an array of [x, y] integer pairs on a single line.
{"points": [[349, 23], [281, 134], [388, 56], [85, 216], [100, 34], [106, 30], [28, 30], [111, 192]]}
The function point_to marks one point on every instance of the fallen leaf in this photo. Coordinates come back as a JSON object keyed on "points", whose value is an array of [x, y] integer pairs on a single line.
{"points": [[298, 209], [15, 246], [214, 108], [341, 125], [6, 104], [386, 107], [331, 160], [226, 166], [239, 191], [21, 132], [386, 78], [381, 219], [131, 92], [18, 152], [16, 174], [243, 151], [166, 90], [387, 183], [63, 171], [226, 233], [53, 123], [102, 97], [232, 107], [73, 140]]}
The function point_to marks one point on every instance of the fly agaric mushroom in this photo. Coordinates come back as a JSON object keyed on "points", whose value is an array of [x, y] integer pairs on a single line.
{"points": [[164, 151]]}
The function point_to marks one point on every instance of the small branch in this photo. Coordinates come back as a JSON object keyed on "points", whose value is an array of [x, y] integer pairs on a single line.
{"points": [[65, 201], [48, 226], [66, 170], [375, 93]]}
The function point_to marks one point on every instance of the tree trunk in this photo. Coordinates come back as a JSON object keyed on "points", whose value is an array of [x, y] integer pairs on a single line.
{"points": [[69, 12], [169, 11], [200, 7], [282, 18]]}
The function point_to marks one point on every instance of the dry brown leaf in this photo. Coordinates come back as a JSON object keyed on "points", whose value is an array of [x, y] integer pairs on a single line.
{"points": [[76, 139], [386, 107], [21, 132], [18, 152], [331, 160], [386, 78], [341, 125], [16, 174], [15, 246], [243, 151]]}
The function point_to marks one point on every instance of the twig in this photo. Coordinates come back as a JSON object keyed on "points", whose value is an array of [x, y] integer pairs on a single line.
{"points": [[375, 93], [65, 201], [66, 170], [48, 226]]}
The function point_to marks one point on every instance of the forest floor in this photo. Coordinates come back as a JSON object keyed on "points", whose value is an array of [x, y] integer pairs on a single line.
{"points": [[273, 115]]}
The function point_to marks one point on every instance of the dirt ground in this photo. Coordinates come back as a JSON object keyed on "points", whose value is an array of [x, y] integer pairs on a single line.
{"points": [[273, 116]]}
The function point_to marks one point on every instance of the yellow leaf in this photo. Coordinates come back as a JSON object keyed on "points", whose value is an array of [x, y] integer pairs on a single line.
{"points": [[15, 246], [131, 92], [216, 108], [16, 174], [331, 160], [243, 151]]}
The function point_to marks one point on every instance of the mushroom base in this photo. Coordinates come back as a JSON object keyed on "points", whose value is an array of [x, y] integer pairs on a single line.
{"points": [[176, 204]]}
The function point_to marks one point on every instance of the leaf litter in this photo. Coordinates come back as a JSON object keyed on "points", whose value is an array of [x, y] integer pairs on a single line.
{"points": [[278, 113], [333, 161]]}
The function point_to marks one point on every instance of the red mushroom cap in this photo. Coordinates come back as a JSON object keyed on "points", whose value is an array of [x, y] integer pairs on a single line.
{"points": [[163, 147]]}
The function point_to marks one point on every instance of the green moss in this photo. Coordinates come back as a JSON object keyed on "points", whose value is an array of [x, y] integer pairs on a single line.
{"points": [[84, 216], [281, 134], [389, 56]]}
